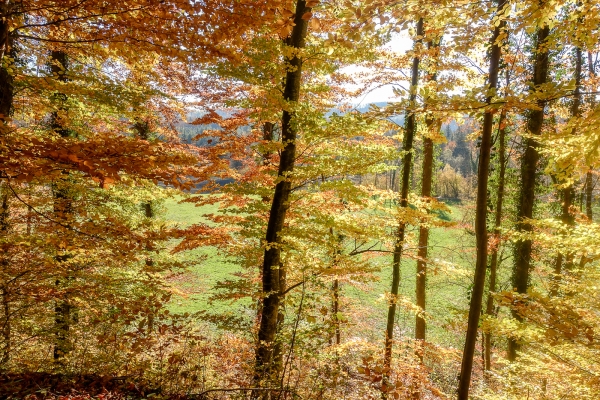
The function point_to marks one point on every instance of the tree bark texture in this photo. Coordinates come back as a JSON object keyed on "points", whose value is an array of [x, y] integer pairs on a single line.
{"points": [[63, 210], [272, 274], [420, 326], [589, 186], [489, 310], [481, 234], [4, 288], [336, 309], [406, 169], [523, 248], [6, 79], [6, 107]]}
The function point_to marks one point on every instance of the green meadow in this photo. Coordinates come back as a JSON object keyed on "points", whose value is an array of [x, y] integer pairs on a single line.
{"points": [[451, 254]]}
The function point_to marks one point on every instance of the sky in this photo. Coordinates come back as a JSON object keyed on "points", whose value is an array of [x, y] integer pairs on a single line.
{"points": [[400, 43]]}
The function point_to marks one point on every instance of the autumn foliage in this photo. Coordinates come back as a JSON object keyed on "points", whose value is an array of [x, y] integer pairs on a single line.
{"points": [[432, 161]]}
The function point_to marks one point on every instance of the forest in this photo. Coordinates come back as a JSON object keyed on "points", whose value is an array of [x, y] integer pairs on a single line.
{"points": [[299, 199]]}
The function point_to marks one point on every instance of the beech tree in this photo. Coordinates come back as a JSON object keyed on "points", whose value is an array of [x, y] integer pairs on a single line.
{"points": [[523, 248]]}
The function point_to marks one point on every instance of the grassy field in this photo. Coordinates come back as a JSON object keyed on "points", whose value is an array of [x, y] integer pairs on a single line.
{"points": [[447, 287], [207, 266]]}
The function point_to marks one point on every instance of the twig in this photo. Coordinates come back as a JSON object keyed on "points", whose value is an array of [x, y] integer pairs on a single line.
{"points": [[47, 217], [293, 341]]}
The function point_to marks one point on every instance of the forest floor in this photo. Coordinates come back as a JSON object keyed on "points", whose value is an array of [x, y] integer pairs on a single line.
{"points": [[448, 283]]}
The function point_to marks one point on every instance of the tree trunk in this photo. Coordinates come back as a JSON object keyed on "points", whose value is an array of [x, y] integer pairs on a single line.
{"points": [[63, 209], [5, 292], [426, 181], [497, 224], [272, 272], [6, 107], [335, 289], [336, 309], [568, 193], [481, 236], [142, 129], [529, 160], [588, 177], [6, 78], [268, 136], [406, 166], [420, 326]]}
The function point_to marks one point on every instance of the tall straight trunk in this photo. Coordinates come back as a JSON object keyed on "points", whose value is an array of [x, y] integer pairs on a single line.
{"points": [[529, 160], [568, 193], [589, 188], [420, 326], [4, 288], [411, 127], [6, 107], [481, 236], [268, 136], [489, 310], [426, 181], [63, 209], [273, 276]]}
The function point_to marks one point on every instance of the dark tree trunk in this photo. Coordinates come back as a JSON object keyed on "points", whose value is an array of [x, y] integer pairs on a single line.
{"points": [[489, 310], [336, 309], [335, 289], [406, 167], [273, 276], [589, 187], [420, 326], [6, 107], [268, 137], [6, 79], [63, 210], [4, 289], [529, 160], [481, 236]]}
